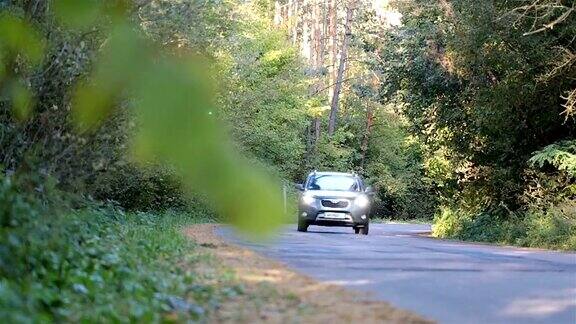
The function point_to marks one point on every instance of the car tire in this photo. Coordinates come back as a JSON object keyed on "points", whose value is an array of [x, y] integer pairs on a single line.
{"points": [[356, 230], [364, 230], [302, 227]]}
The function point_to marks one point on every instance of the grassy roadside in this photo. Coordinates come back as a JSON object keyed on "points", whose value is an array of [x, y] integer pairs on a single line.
{"points": [[385, 220], [103, 266], [545, 228], [549, 234]]}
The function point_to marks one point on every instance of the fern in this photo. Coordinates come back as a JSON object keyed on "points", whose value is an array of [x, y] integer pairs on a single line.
{"points": [[561, 155]]}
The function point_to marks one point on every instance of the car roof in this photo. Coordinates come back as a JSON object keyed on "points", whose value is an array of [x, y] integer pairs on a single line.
{"points": [[333, 173]]}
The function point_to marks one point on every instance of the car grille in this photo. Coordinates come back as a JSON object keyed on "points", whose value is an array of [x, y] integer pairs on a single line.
{"points": [[335, 203]]}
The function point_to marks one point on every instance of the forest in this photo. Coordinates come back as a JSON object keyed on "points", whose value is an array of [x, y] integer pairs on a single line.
{"points": [[123, 120]]}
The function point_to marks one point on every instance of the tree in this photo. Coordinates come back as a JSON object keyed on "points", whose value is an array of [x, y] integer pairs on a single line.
{"points": [[340, 72]]}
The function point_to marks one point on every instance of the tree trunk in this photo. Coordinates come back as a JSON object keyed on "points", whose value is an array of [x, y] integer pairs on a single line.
{"points": [[317, 48], [277, 13], [318, 43], [332, 43], [290, 17], [340, 73], [306, 44], [296, 21], [366, 137]]}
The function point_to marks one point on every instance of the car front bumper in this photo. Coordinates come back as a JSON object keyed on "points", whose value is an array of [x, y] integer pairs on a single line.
{"points": [[317, 214]]}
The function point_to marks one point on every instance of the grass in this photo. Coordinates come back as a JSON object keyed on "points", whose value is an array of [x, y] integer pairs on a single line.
{"points": [[104, 266], [554, 228], [384, 220]]}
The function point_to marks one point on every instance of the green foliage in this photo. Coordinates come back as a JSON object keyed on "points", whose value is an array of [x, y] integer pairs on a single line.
{"points": [[94, 264], [45, 142], [560, 155], [553, 228], [336, 152], [394, 167], [481, 96], [447, 223], [203, 27], [168, 95], [22, 47], [20, 40], [141, 188], [467, 93], [262, 94], [78, 14]]}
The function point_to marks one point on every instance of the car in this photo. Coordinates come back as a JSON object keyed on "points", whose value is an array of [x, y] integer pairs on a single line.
{"points": [[334, 199]]}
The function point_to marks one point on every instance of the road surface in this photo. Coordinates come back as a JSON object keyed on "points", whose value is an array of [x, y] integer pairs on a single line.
{"points": [[447, 281]]}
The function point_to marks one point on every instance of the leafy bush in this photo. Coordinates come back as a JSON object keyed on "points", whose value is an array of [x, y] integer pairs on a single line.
{"points": [[394, 165], [554, 227], [561, 155], [447, 223], [163, 96], [547, 219], [140, 188], [262, 93], [96, 264]]}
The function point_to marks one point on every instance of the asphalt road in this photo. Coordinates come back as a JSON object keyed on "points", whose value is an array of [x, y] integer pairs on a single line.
{"points": [[447, 281]]}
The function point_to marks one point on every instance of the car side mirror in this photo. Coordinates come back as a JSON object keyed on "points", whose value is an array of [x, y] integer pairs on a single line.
{"points": [[299, 187], [369, 191]]}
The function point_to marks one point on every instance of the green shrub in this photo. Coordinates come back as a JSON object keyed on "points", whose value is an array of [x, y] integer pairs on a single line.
{"points": [[447, 223], [561, 155], [97, 264], [553, 227], [145, 189], [394, 166]]}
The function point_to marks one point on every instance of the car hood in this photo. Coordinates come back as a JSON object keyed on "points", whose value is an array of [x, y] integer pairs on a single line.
{"points": [[333, 194]]}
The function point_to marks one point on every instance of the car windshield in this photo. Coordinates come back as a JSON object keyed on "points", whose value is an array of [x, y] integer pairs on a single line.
{"points": [[333, 182]]}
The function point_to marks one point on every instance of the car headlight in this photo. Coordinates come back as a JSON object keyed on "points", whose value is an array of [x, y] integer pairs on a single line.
{"points": [[362, 201], [308, 199]]}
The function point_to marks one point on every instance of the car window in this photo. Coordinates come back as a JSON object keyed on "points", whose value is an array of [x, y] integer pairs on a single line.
{"points": [[333, 182]]}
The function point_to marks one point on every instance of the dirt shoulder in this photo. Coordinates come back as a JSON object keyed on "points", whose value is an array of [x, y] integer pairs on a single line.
{"points": [[272, 293]]}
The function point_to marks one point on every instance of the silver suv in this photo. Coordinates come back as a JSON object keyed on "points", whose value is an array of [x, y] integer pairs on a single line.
{"points": [[334, 199]]}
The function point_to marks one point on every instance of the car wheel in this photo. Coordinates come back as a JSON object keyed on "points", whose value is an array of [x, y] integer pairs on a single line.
{"points": [[356, 230], [302, 227], [364, 230]]}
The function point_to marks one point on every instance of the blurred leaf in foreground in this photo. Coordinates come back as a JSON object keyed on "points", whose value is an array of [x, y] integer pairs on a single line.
{"points": [[77, 13], [172, 97], [19, 39], [21, 48], [121, 63], [22, 100]]}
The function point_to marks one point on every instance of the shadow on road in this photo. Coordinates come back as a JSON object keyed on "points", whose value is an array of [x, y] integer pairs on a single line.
{"points": [[329, 232]]}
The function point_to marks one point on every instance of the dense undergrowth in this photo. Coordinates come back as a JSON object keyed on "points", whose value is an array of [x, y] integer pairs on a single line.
{"points": [[95, 263], [554, 228]]}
